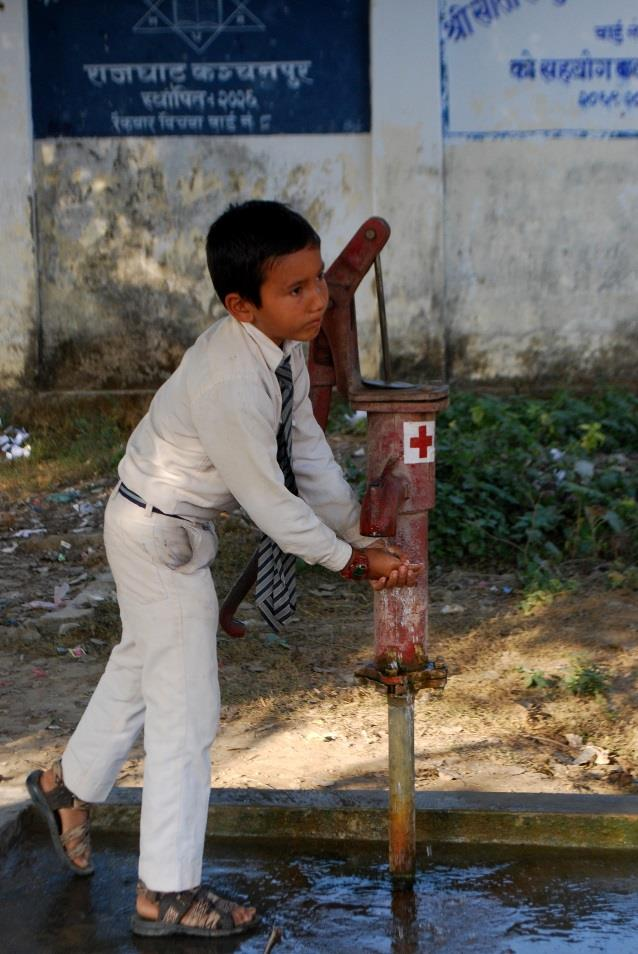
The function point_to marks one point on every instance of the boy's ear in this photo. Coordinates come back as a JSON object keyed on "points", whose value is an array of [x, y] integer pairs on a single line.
{"points": [[239, 308]]}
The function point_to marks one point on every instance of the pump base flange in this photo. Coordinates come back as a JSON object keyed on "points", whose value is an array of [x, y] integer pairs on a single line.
{"points": [[433, 675]]}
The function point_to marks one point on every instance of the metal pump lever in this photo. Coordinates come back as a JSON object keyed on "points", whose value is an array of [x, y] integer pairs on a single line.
{"points": [[383, 324]]}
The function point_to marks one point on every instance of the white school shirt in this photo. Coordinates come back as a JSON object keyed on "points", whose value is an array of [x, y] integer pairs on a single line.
{"points": [[209, 440]]}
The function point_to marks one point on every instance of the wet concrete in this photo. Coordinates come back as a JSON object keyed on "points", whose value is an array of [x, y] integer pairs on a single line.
{"points": [[488, 900]]}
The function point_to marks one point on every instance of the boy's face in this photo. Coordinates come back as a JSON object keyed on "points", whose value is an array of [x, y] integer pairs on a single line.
{"points": [[294, 297]]}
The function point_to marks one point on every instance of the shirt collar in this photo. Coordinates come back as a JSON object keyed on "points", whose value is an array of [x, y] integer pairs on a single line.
{"points": [[272, 353]]}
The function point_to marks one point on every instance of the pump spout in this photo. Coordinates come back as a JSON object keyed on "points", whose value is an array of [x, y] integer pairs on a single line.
{"points": [[382, 502]]}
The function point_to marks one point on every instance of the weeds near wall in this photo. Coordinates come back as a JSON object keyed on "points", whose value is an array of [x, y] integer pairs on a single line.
{"points": [[530, 482], [537, 482], [588, 679], [525, 482], [533, 483], [542, 590]]}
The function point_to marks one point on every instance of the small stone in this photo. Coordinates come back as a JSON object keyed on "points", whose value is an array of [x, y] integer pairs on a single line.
{"points": [[588, 755], [67, 628], [621, 777], [30, 636], [26, 635], [573, 741], [52, 621]]}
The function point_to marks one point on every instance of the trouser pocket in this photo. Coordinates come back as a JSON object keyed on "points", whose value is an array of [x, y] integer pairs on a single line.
{"points": [[183, 545]]}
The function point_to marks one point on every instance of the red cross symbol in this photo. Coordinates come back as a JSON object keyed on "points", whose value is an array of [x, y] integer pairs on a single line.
{"points": [[423, 442]]}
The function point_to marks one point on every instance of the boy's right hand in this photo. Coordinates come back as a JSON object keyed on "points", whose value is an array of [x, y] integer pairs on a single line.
{"points": [[390, 568]]}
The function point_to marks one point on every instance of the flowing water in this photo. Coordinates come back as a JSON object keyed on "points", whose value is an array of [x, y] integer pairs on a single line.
{"points": [[337, 899]]}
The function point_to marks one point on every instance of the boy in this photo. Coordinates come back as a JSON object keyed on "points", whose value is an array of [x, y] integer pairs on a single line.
{"points": [[232, 424]]}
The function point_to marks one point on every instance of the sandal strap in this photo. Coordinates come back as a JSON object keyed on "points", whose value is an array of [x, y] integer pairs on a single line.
{"points": [[212, 910], [173, 905], [221, 904], [80, 835], [60, 796], [207, 908]]}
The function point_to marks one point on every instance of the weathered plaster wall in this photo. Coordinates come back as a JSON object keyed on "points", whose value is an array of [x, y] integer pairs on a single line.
{"points": [[122, 223], [18, 334], [407, 180], [511, 260], [541, 265], [122, 280]]}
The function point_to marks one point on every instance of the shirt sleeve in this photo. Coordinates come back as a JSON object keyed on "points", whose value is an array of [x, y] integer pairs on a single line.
{"points": [[319, 477], [236, 423]]}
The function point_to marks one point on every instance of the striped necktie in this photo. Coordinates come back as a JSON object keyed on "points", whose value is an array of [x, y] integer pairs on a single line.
{"points": [[276, 589]]}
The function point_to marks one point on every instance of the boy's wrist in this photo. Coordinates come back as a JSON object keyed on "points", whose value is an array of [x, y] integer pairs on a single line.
{"points": [[357, 567]]}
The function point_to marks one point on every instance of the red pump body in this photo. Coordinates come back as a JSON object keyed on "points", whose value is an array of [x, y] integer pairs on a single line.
{"points": [[401, 453]]}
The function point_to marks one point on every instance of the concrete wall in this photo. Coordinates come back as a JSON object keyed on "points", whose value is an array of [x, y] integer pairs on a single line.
{"points": [[540, 196], [511, 260], [123, 281], [542, 270], [18, 303], [407, 180]]}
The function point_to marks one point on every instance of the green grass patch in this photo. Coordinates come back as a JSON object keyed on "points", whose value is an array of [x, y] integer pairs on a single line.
{"points": [[541, 592], [71, 440]]}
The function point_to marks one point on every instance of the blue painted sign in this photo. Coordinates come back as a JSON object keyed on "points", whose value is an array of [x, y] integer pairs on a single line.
{"points": [[198, 67]]}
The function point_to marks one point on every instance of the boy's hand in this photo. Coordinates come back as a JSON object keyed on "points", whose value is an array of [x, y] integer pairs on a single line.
{"points": [[390, 567]]}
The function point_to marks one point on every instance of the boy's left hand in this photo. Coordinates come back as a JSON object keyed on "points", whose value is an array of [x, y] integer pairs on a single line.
{"points": [[404, 575]]}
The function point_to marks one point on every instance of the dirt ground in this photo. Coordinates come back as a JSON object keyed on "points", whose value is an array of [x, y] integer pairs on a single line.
{"points": [[293, 714]]}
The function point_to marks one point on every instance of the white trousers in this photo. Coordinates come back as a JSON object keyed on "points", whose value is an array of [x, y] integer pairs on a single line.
{"points": [[162, 676]]}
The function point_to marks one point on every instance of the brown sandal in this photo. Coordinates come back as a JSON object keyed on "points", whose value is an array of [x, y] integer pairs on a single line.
{"points": [[49, 804], [213, 914]]}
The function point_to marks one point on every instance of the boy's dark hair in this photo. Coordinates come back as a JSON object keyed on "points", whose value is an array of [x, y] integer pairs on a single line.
{"points": [[243, 242]]}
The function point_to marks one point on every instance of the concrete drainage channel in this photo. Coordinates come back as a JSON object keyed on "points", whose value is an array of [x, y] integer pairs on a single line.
{"points": [[496, 873]]}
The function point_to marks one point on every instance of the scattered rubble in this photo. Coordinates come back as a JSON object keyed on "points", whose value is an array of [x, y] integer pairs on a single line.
{"points": [[297, 696], [13, 443], [52, 562]]}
